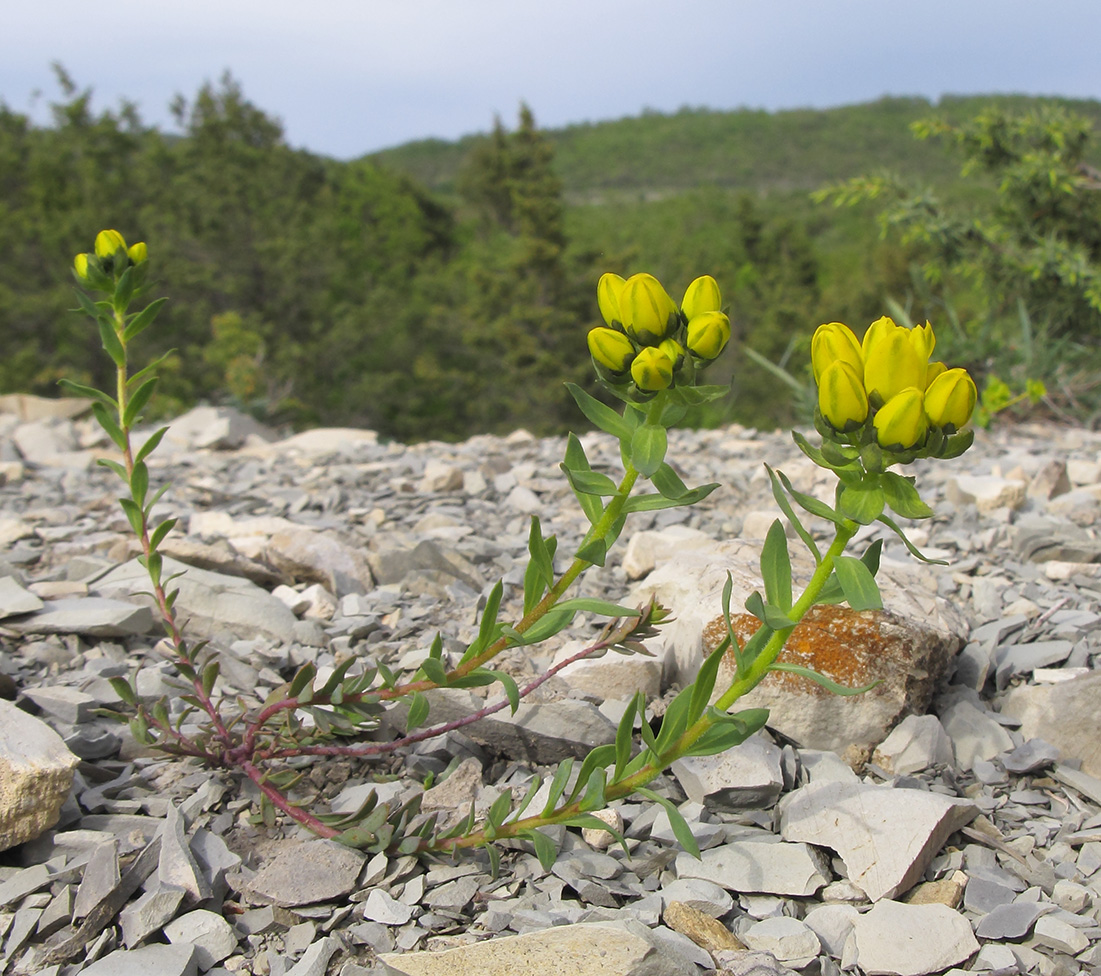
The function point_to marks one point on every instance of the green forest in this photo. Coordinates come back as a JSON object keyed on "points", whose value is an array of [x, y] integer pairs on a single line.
{"points": [[442, 289]]}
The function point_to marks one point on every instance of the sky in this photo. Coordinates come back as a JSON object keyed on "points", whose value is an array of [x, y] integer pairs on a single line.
{"points": [[348, 77]]}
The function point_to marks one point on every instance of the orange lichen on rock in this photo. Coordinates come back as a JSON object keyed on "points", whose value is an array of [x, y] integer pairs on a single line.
{"points": [[850, 647]]}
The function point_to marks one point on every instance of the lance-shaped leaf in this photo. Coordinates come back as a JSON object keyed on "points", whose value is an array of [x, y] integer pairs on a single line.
{"points": [[862, 501], [648, 446], [681, 830], [653, 503], [903, 497], [789, 512], [810, 503], [143, 319], [831, 686], [599, 414], [857, 583], [914, 551], [771, 616], [668, 483], [776, 567]]}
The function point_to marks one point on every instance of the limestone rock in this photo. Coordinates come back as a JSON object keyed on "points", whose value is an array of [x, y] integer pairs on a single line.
{"points": [[612, 676], [759, 866], [93, 616], [916, 743], [15, 600], [986, 492], [214, 428], [885, 836], [1064, 715], [317, 557], [585, 949], [707, 932], [163, 960], [36, 773], [317, 870], [791, 941], [747, 776], [909, 647], [909, 940], [210, 603], [210, 934]]}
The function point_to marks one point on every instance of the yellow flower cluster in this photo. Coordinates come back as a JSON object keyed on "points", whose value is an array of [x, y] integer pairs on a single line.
{"points": [[110, 259], [888, 379], [650, 342]]}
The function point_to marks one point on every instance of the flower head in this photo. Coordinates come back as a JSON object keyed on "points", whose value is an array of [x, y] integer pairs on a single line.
{"points": [[611, 349], [832, 342], [900, 424], [648, 313], [108, 242], [950, 399], [607, 298], [652, 370], [708, 334], [895, 358], [701, 296], [841, 396]]}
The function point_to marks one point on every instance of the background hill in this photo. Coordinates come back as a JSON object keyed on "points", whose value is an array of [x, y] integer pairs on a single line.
{"points": [[441, 289]]}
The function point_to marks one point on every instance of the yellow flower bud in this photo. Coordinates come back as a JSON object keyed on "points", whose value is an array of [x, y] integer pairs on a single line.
{"points": [[648, 313], [841, 396], [611, 349], [832, 342], [607, 297], [80, 265], [892, 361], [932, 371], [108, 242], [708, 334], [138, 253], [652, 370], [701, 296], [950, 399], [674, 350], [900, 423], [923, 339]]}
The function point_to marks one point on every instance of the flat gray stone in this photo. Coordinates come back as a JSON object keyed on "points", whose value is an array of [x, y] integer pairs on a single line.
{"points": [[586, 949], [916, 743], [91, 615], [177, 865], [211, 935], [315, 959], [15, 600], [100, 877], [974, 734], [909, 940], [317, 870], [211, 603], [1064, 714], [1012, 921], [759, 866], [150, 912], [748, 776], [162, 960], [886, 837]]}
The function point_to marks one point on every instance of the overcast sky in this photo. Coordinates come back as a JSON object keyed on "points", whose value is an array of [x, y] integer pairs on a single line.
{"points": [[350, 76]]}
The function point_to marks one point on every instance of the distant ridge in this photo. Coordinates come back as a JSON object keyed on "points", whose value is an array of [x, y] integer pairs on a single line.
{"points": [[749, 149]]}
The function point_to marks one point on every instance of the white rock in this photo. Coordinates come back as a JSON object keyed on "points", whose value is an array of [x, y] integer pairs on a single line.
{"points": [[381, 907], [833, 925], [612, 676], [759, 866], [885, 836], [974, 734], [746, 776], [152, 960], [917, 742], [909, 940], [212, 936], [986, 492], [585, 949], [603, 839], [14, 599], [1057, 934], [1064, 714], [650, 547], [36, 773], [791, 941], [94, 616]]}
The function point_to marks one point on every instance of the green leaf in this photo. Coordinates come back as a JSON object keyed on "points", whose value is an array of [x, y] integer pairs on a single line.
{"points": [[871, 555], [719, 738], [653, 503], [768, 614], [594, 551], [914, 551], [558, 785], [539, 574], [302, 678], [138, 401], [114, 466], [150, 445], [705, 681], [862, 502], [810, 503], [831, 686], [494, 856], [488, 624], [593, 798], [625, 734], [78, 389], [158, 534], [789, 512], [512, 692], [536, 783], [111, 344], [776, 567], [599, 414], [681, 830], [588, 604], [124, 289], [903, 497], [597, 759], [140, 322], [124, 690], [857, 583], [110, 425], [674, 721], [648, 446], [499, 809], [139, 483], [551, 623], [134, 515], [590, 482], [545, 848], [210, 676], [434, 670], [668, 483]]}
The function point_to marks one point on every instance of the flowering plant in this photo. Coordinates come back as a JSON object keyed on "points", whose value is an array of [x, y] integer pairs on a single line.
{"points": [[881, 403]]}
